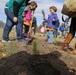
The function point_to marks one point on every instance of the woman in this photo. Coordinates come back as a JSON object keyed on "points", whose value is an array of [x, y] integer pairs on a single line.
{"points": [[13, 11]]}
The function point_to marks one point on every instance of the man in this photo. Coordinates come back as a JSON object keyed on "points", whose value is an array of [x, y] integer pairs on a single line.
{"points": [[56, 29], [13, 11]]}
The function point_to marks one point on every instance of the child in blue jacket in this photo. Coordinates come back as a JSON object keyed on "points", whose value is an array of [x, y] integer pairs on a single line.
{"points": [[61, 30], [51, 21]]}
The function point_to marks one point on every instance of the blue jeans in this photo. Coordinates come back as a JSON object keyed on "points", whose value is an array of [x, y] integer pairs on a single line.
{"points": [[55, 32], [10, 24], [49, 36]]}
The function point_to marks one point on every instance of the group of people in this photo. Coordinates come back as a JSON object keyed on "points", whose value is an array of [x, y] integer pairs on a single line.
{"points": [[52, 21], [20, 12], [64, 29]]}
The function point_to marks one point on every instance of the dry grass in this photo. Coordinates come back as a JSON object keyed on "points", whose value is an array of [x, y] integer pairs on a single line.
{"points": [[11, 51], [7, 49]]}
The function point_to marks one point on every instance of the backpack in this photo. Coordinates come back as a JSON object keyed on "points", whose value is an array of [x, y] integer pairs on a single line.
{"points": [[69, 8], [42, 30], [57, 24]]}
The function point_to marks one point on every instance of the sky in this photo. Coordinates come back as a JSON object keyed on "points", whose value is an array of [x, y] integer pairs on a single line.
{"points": [[42, 5]]}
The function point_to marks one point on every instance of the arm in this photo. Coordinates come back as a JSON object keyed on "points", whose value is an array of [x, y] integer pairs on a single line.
{"points": [[15, 10], [55, 18], [25, 11]]}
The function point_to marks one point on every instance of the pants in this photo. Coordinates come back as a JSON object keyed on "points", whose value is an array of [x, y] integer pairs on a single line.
{"points": [[73, 26], [26, 29], [61, 33], [49, 36], [65, 33], [10, 24], [55, 32]]}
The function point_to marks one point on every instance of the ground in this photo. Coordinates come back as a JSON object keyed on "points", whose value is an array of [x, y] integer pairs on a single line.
{"points": [[20, 58]]}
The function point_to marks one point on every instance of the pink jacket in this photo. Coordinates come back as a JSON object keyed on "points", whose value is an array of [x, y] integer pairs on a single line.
{"points": [[28, 16]]}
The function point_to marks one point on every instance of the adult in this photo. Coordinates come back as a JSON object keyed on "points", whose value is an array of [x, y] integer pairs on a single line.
{"points": [[56, 29], [70, 36], [13, 11], [34, 24]]}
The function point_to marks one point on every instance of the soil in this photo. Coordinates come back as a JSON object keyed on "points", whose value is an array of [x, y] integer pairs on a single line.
{"points": [[48, 61]]}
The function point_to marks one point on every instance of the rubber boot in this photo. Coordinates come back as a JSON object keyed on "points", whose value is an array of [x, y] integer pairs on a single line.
{"points": [[66, 42]]}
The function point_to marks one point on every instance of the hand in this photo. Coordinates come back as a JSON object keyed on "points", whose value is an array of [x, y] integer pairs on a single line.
{"points": [[53, 19], [24, 19], [15, 19]]}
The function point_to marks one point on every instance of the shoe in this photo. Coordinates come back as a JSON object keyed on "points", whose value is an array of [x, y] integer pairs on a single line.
{"points": [[22, 40], [6, 41], [66, 42], [28, 39]]}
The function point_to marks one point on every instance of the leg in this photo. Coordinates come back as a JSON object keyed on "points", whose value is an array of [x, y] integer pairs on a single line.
{"points": [[8, 26], [70, 35], [50, 36], [60, 34], [19, 29], [54, 32], [26, 29], [47, 36]]}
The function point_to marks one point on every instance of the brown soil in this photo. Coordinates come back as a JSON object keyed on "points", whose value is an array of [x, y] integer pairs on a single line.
{"points": [[49, 61]]}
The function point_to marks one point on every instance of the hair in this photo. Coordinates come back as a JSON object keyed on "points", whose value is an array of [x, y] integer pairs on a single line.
{"points": [[33, 3], [54, 8]]}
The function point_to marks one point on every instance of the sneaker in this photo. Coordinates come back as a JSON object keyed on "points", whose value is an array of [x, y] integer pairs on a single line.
{"points": [[22, 40], [25, 34], [6, 41]]}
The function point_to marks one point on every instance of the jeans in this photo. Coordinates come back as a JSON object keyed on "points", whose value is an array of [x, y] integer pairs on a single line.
{"points": [[55, 32], [10, 24], [49, 36]]}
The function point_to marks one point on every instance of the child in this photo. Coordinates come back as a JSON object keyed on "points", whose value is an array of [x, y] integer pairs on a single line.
{"points": [[61, 30], [51, 21], [27, 14]]}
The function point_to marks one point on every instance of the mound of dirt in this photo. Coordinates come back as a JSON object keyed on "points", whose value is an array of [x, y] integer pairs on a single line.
{"points": [[22, 63]]}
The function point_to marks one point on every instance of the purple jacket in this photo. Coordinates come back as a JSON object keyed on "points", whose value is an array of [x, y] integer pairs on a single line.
{"points": [[50, 22]]}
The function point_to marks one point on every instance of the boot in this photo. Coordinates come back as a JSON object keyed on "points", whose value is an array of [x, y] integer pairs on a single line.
{"points": [[74, 51], [68, 39]]}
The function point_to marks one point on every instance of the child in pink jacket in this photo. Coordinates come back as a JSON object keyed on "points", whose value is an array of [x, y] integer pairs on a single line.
{"points": [[27, 14]]}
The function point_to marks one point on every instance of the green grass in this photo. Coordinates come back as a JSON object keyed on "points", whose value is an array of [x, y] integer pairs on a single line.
{"points": [[35, 47]]}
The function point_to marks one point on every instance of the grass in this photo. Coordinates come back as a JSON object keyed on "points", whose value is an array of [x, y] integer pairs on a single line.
{"points": [[7, 48], [35, 47]]}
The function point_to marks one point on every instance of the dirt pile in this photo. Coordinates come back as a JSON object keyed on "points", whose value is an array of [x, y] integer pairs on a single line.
{"points": [[22, 63]]}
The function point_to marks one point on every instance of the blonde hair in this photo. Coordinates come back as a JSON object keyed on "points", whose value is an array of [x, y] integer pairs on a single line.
{"points": [[54, 8]]}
